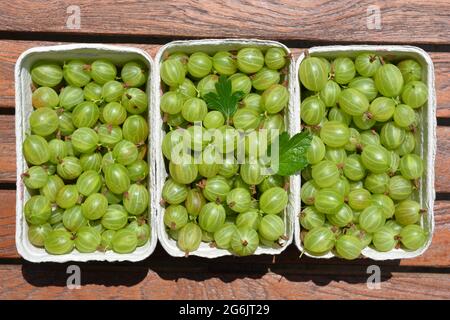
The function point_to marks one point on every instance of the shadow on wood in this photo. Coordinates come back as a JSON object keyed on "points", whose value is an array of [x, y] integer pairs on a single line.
{"points": [[227, 269]]}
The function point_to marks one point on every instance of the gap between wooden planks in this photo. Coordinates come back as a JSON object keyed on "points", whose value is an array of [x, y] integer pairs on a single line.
{"points": [[12, 49], [436, 256], [133, 282], [348, 21]]}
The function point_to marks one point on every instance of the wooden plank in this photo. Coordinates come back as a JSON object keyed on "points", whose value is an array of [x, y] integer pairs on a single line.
{"points": [[436, 255], [133, 282], [12, 49], [401, 21]]}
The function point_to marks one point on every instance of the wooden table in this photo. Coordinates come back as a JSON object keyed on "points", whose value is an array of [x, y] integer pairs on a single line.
{"points": [[299, 24]]}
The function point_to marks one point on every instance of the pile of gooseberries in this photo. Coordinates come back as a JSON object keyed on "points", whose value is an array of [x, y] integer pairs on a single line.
{"points": [[360, 187], [86, 151], [227, 204]]}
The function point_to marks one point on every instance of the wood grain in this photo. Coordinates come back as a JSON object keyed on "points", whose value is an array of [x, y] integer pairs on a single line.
{"points": [[133, 282], [347, 21], [12, 49], [436, 256]]}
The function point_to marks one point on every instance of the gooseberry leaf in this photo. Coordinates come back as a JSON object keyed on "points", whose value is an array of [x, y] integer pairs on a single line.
{"points": [[292, 153], [224, 100]]}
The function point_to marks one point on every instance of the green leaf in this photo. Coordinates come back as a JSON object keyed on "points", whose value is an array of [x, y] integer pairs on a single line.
{"points": [[224, 100], [292, 153]]}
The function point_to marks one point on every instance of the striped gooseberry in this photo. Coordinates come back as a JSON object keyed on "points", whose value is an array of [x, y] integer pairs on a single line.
{"points": [[142, 231], [251, 219], [250, 60], [69, 97], [76, 73], [66, 126], [87, 239], [115, 217], [135, 129], [44, 121], [103, 71], [69, 168], [73, 218], [135, 199], [328, 201], [275, 58], [271, 227], [319, 240], [382, 109], [343, 217], [375, 158], [124, 241], [92, 92], [246, 119], [114, 113], [275, 98], [199, 65], [35, 177], [413, 237], [135, 100], [312, 110], [189, 238], [265, 78], [392, 136], [348, 247], [94, 207], [213, 120], [244, 241], [325, 173], [37, 210], [223, 235], [415, 94], [389, 80], [109, 135], [51, 188], [270, 182], [174, 192], [410, 69], [58, 242], [385, 203], [407, 212], [359, 199], [334, 134], [207, 84], [329, 94], [377, 183], [399, 188], [44, 97], [353, 102], [367, 64], [125, 152], [212, 216], [343, 70], [171, 102], [134, 74], [46, 74], [175, 216], [67, 196], [239, 199], [311, 218], [372, 219], [194, 201], [273, 201], [313, 73], [366, 86], [224, 63], [308, 192], [116, 178], [404, 116], [38, 233], [411, 166], [84, 140]]}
